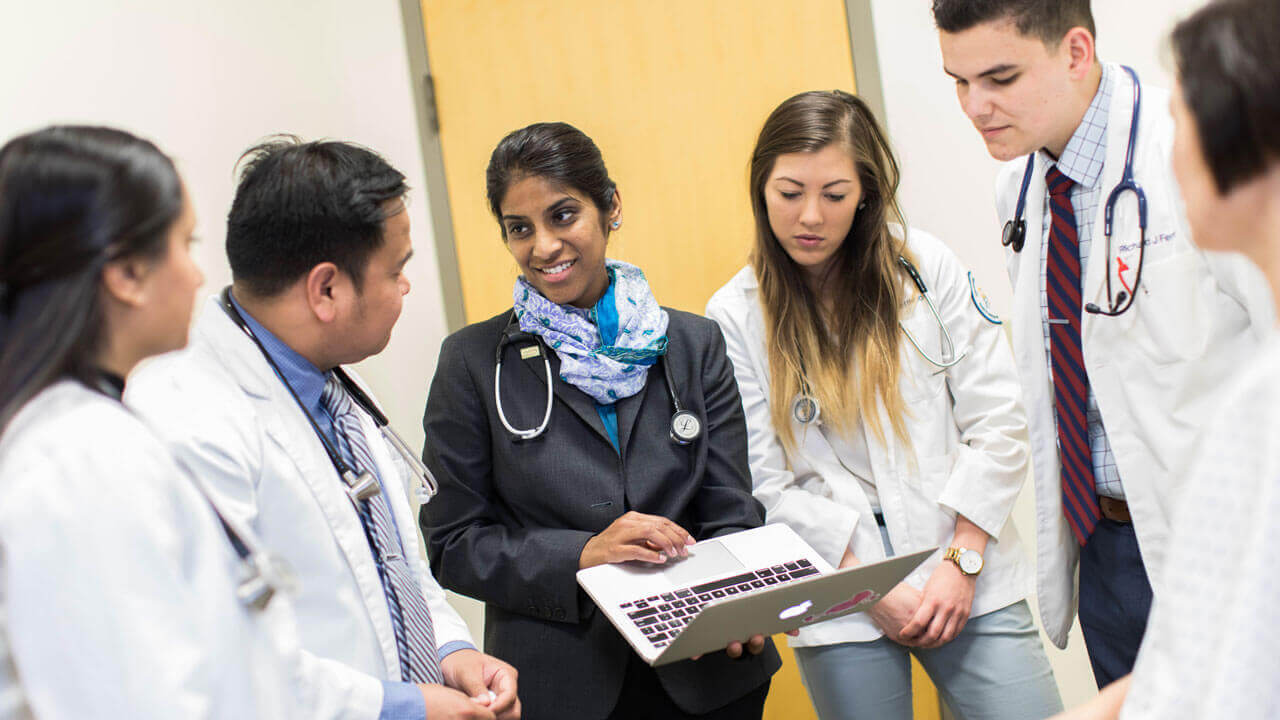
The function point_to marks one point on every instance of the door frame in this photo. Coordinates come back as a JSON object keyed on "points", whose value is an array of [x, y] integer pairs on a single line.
{"points": [[866, 75]]}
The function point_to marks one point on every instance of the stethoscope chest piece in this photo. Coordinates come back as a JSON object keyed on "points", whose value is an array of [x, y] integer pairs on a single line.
{"points": [[360, 487], [1014, 234], [805, 409], [262, 576], [685, 427]]}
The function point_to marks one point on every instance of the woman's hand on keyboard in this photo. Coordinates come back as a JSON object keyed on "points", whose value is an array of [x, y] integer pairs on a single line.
{"points": [[636, 536]]}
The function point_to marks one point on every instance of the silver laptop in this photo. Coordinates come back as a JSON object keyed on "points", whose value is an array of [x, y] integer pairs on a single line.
{"points": [[762, 581]]}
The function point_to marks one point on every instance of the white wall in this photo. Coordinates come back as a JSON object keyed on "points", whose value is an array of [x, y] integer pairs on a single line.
{"points": [[205, 80], [948, 178]]}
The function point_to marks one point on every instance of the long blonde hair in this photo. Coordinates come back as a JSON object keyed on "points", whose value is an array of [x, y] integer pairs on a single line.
{"points": [[806, 346]]}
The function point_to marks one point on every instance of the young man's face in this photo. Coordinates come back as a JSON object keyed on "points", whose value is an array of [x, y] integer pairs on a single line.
{"points": [[1012, 86]]}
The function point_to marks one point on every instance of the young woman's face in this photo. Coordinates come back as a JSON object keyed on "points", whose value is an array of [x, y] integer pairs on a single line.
{"points": [[812, 198], [558, 238], [170, 286]]}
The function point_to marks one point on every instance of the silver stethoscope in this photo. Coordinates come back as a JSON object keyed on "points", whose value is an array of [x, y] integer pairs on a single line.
{"points": [[805, 408], [1014, 234], [685, 425], [362, 485]]}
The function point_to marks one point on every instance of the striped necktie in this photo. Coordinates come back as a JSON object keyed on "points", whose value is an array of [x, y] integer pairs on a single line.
{"points": [[415, 635], [1070, 382]]}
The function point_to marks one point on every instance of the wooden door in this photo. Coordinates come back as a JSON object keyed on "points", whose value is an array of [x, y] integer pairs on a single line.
{"points": [[673, 91]]}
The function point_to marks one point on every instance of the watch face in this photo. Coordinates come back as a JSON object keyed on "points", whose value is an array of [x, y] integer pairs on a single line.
{"points": [[970, 562]]}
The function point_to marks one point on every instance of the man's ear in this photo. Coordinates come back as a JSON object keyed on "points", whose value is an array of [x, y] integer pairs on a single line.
{"points": [[325, 287], [1081, 52], [123, 280]]}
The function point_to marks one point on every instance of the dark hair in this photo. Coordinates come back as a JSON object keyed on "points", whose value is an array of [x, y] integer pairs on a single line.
{"points": [[1228, 60], [558, 152], [72, 199], [1048, 20], [865, 280], [301, 204]]}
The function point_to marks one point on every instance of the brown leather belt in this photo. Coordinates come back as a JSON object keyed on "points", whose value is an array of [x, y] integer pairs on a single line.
{"points": [[1115, 510]]}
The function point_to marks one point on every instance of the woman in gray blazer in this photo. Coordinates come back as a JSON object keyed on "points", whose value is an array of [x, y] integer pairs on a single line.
{"points": [[532, 492]]}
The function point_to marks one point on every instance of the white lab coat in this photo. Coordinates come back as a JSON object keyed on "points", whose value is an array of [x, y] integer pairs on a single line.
{"points": [[1155, 369], [117, 582], [966, 426], [227, 416], [1210, 646]]}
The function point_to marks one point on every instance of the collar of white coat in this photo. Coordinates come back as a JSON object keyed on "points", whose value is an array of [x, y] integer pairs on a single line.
{"points": [[239, 353]]}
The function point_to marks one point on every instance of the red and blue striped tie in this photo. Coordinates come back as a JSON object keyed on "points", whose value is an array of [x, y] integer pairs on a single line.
{"points": [[1070, 382]]}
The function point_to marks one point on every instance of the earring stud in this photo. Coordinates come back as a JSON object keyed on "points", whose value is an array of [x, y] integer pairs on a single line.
{"points": [[615, 224]]}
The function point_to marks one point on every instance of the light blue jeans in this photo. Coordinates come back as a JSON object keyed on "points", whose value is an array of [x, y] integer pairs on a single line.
{"points": [[995, 669]]}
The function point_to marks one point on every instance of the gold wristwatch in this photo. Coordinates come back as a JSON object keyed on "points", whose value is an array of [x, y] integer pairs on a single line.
{"points": [[969, 561]]}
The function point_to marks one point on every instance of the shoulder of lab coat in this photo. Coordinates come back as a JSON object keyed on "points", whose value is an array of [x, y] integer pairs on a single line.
{"points": [[200, 400], [119, 582]]}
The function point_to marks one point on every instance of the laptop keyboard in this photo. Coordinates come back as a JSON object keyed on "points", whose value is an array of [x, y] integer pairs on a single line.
{"points": [[662, 617]]}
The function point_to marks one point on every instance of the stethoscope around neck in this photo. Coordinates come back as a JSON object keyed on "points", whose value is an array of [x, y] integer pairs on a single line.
{"points": [[685, 425], [1014, 235], [361, 485], [805, 408]]}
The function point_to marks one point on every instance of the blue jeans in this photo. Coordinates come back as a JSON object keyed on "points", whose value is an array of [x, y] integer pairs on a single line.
{"points": [[1115, 600], [995, 669]]}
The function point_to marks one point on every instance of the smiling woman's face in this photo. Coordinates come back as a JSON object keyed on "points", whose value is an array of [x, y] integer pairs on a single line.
{"points": [[558, 238]]}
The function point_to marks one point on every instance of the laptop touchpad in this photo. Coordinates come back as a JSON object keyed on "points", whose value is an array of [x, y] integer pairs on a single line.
{"points": [[707, 559]]}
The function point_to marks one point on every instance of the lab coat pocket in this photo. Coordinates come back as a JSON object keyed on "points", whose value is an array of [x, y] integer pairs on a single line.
{"points": [[934, 471], [1173, 305]]}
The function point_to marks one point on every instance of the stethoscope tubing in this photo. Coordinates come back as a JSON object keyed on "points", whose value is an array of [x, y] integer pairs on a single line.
{"points": [[806, 410], [362, 485], [685, 425], [1014, 234]]}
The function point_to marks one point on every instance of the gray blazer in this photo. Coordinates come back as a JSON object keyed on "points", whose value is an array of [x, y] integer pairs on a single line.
{"points": [[511, 518]]}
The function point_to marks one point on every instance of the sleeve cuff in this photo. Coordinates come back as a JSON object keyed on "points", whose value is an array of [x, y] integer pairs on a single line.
{"points": [[454, 646], [402, 701]]}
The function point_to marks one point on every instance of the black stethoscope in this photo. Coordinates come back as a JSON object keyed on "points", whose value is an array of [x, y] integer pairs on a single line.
{"points": [[805, 408], [685, 426], [359, 486], [1015, 231]]}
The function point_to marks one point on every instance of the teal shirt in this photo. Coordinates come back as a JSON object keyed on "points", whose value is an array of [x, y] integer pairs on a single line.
{"points": [[606, 317]]}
